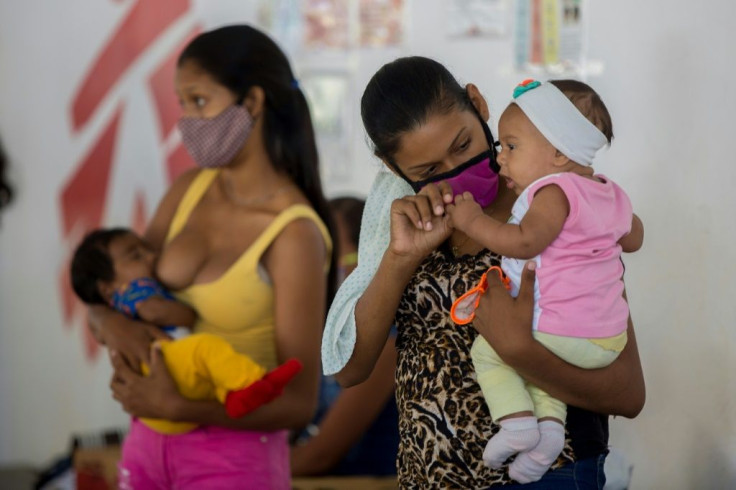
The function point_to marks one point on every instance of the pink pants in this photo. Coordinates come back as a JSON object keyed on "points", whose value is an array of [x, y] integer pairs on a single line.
{"points": [[209, 458]]}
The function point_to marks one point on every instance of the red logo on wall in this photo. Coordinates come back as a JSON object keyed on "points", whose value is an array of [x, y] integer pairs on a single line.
{"points": [[84, 197]]}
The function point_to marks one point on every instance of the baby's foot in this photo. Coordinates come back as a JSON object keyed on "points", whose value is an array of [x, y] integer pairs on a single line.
{"points": [[266, 389], [516, 435], [531, 465], [281, 376]]}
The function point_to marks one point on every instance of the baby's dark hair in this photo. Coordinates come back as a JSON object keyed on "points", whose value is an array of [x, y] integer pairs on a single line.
{"points": [[92, 263], [350, 209], [588, 103]]}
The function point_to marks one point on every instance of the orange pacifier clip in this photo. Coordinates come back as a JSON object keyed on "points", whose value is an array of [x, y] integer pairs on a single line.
{"points": [[463, 309]]}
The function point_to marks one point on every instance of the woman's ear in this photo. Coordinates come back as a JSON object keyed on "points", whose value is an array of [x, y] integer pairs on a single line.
{"points": [[254, 101], [478, 101]]}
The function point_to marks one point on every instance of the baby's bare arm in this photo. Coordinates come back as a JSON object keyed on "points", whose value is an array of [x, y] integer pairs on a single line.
{"points": [[539, 227], [161, 311]]}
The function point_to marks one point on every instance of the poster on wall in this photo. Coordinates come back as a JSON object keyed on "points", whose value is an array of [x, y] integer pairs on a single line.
{"points": [[548, 35], [326, 24], [324, 39], [381, 23], [476, 18], [571, 33], [334, 25], [327, 95]]}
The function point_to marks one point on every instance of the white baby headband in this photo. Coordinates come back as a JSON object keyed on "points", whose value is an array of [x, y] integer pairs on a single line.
{"points": [[557, 118]]}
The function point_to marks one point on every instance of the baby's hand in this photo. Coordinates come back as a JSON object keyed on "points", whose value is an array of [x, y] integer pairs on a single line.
{"points": [[463, 212]]}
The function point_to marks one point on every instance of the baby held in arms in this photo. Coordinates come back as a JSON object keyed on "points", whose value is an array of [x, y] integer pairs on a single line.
{"points": [[573, 224], [116, 267]]}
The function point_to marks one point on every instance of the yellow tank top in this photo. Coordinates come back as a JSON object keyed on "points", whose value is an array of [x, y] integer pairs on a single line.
{"points": [[239, 306]]}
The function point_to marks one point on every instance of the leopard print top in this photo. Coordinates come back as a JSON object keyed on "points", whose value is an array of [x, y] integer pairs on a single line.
{"points": [[444, 422]]}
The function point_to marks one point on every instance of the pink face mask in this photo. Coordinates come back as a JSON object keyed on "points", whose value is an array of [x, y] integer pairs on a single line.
{"points": [[214, 142], [474, 176]]}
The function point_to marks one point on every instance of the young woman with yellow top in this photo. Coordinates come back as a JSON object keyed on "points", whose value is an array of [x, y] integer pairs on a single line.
{"points": [[245, 242]]}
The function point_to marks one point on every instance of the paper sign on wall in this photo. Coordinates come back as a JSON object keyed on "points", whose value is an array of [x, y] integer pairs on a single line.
{"points": [[548, 34]]}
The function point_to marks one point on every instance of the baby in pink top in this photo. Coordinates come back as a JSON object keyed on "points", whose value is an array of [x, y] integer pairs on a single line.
{"points": [[574, 225]]}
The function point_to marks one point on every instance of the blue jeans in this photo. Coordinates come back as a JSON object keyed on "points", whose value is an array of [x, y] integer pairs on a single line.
{"points": [[586, 474]]}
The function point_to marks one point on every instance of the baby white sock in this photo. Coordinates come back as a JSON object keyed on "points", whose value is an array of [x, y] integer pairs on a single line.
{"points": [[516, 435], [531, 465]]}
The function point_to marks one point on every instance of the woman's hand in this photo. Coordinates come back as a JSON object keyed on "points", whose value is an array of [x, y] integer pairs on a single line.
{"points": [[506, 323], [133, 344], [418, 223], [130, 339], [152, 396]]}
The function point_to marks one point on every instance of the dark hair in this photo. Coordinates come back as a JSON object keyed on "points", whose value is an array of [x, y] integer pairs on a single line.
{"points": [[240, 57], [402, 95], [6, 191], [350, 210], [92, 263], [589, 103]]}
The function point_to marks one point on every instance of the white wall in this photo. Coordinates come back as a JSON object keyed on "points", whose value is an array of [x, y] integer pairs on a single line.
{"points": [[668, 70], [668, 67]]}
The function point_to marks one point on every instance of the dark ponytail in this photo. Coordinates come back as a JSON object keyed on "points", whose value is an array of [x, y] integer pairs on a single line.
{"points": [[402, 95], [240, 57]]}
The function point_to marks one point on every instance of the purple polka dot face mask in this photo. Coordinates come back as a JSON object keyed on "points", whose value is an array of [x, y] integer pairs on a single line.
{"points": [[214, 142]]}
